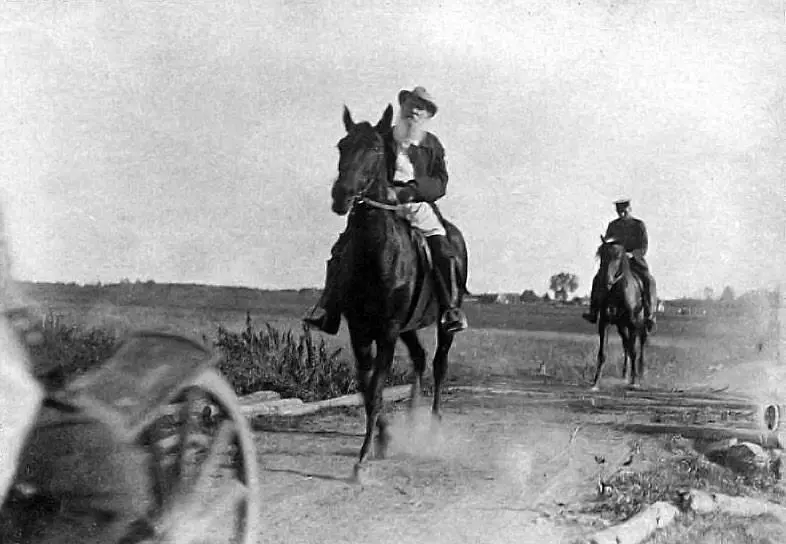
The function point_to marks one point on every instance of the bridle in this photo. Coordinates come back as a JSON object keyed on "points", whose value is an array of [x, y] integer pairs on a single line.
{"points": [[363, 198], [618, 274]]}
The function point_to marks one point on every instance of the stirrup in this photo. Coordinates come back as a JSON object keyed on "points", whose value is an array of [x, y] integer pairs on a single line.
{"points": [[457, 323]]}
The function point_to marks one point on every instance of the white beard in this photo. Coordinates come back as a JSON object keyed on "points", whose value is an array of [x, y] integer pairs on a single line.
{"points": [[408, 129]]}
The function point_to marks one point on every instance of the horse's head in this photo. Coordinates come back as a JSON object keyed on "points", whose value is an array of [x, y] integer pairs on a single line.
{"points": [[612, 254], [361, 160]]}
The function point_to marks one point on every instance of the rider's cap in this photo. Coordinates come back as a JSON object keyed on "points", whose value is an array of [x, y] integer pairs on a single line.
{"points": [[421, 94], [622, 203]]}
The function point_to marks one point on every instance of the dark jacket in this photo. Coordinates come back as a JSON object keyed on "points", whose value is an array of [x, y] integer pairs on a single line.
{"points": [[632, 233], [428, 162]]}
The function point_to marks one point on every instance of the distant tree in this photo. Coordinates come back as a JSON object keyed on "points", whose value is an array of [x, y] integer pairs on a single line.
{"points": [[709, 293], [529, 296], [727, 295], [546, 297], [563, 284]]}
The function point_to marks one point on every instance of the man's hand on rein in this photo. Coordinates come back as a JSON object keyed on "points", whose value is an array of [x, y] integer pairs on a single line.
{"points": [[406, 193]]}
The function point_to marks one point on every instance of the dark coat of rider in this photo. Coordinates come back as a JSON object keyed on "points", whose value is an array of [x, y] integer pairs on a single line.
{"points": [[428, 163], [632, 233]]}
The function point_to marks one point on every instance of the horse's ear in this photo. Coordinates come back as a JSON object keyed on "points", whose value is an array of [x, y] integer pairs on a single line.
{"points": [[348, 122], [387, 118], [602, 239]]}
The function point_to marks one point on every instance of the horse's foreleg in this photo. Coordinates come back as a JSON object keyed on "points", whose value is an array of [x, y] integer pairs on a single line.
{"points": [[625, 357], [601, 352], [418, 356], [629, 346], [444, 342], [385, 352], [365, 372], [642, 343]]}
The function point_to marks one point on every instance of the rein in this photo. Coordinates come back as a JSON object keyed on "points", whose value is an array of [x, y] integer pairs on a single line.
{"points": [[374, 204], [619, 273], [361, 198]]}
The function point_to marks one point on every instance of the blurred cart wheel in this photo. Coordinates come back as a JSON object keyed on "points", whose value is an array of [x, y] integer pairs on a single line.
{"points": [[203, 468]]}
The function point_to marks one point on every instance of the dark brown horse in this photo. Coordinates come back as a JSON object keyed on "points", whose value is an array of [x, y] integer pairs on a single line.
{"points": [[623, 306], [382, 276]]}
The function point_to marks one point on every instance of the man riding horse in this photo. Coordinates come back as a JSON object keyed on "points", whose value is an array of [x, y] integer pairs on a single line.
{"points": [[632, 234], [418, 173]]}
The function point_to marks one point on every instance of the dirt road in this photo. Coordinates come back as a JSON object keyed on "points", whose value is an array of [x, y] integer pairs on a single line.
{"points": [[500, 468]]}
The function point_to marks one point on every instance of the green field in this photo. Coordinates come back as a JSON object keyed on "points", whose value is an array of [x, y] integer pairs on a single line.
{"points": [[504, 341]]}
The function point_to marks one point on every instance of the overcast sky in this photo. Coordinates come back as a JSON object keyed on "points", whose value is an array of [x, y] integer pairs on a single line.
{"points": [[194, 141]]}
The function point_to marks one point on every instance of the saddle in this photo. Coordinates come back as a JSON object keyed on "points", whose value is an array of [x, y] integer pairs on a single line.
{"points": [[424, 306]]}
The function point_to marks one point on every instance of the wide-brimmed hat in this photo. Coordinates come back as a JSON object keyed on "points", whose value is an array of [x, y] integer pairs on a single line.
{"points": [[421, 94]]}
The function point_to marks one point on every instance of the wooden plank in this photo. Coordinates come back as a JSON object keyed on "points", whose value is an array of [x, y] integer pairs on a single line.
{"points": [[766, 439], [296, 407]]}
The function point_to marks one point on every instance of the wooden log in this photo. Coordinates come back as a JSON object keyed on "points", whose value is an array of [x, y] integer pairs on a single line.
{"points": [[638, 528], [296, 407], [702, 502], [765, 439], [269, 407], [391, 394], [259, 396]]}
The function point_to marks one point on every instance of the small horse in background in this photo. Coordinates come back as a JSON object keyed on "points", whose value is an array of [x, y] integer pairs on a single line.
{"points": [[383, 277], [623, 306]]}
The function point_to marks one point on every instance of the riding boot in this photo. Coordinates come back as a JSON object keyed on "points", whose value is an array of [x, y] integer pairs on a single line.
{"points": [[326, 314], [594, 309], [452, 319]]}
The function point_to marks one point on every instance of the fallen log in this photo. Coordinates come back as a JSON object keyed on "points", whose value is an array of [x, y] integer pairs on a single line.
{"points": [[296, 407], [702, 502], [638, 528], [767, 439], [269, 406]]}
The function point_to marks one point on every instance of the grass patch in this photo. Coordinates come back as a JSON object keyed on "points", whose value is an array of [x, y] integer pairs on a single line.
{"points": [[626, 493]]}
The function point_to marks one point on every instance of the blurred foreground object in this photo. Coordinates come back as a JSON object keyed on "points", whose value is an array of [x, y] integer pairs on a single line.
{"points": [[20, 393]]}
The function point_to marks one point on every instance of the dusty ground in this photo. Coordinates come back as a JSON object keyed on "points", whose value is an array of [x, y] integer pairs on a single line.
{"points": [[500, 468]]}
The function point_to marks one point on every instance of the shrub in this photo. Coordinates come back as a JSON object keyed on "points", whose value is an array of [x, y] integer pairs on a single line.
{"points": [[294, 365], [67, 351]]}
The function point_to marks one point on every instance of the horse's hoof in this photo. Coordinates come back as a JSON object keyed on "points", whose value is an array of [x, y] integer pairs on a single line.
{"points": [[436, 419], [595, 388], [359, 474], [634, 386]]}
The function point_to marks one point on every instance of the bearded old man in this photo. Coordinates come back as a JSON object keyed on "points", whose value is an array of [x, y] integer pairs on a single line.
{"points": [[417, 170]]}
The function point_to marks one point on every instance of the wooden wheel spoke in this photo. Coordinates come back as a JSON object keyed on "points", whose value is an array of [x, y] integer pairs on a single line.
{"points": [[212, 462], [205, 469], [187, 428]]}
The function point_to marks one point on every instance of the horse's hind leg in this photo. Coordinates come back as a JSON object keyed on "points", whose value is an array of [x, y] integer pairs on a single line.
{"points": [[418, 356], [444, 342]]}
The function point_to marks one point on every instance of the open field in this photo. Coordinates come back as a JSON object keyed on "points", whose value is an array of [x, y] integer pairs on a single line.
{"points": [[502, 467]]}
